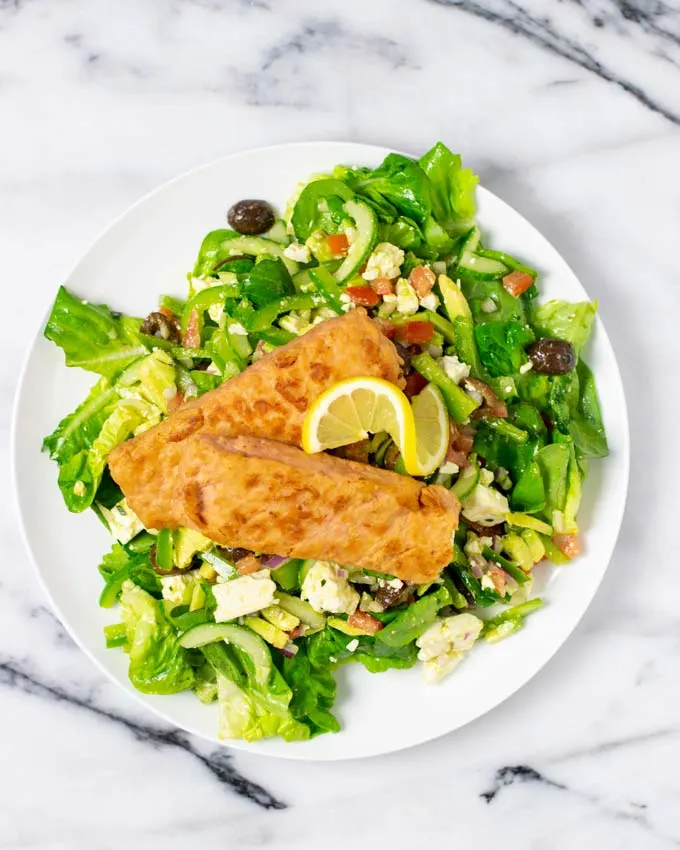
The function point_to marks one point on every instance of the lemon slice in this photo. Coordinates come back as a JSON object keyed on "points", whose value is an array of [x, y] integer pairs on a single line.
{"points": [[352, 409]]}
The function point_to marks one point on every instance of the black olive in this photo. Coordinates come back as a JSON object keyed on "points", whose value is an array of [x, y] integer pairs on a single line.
{"points": [[159, 325], [234, 555], [552, 356], [251, 217]]}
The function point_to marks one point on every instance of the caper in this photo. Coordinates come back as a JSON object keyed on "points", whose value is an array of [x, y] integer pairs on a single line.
{"points": [[552, 356], [251, 217]]}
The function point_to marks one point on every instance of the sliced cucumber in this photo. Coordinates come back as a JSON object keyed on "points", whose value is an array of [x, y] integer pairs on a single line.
{"points": [[466, 483], [279, 233], [483, 267], [302, 610], [258, 246], [367, 232], [471, 243], [455, 302], [243, 638]]}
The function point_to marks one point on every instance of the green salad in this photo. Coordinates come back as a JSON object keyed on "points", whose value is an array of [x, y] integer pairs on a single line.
{"points": [[260, 634]]}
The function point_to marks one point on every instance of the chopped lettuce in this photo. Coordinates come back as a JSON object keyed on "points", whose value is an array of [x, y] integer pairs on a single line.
{"points": [[158, 664], [452, 189], [121, 565], [501, 346], [92, 337], [564, 320], [82, 441]]}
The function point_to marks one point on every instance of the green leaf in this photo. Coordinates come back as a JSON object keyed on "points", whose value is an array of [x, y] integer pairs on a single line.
{"points": [[313, 690], [92, 337], [397, 186], [586, 426], [563, 320], [501, 346], [158, 664], [414, 620], [313, 210], [122, 564], [268, 281], [452, 188]]}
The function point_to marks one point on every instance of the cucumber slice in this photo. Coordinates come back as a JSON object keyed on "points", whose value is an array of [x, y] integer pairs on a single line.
{"points": [[471, 243], [455, 302], [483, 267], [243, 638], [258, 246], [302, 610], [367, 234], [279, 233], [466, 483]]}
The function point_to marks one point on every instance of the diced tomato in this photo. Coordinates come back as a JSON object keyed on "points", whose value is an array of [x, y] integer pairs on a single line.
{"points": [[338, 243], [383, 286], [422, 280], [192, 335], [387, 328], [415, 384], [568, 544], [176, 401], [499, 578], [415, 333], [364, 296], [167, 312], [517, 282]]}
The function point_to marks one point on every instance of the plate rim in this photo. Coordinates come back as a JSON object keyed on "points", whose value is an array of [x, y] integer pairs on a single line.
{"points": [[256, 748]]}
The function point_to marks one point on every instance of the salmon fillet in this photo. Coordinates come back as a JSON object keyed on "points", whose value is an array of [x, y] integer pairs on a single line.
{"points": [[268, 399], [269, 497]]}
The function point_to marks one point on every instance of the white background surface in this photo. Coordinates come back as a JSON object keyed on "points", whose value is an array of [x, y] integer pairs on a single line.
{"points": [[570, 112]]}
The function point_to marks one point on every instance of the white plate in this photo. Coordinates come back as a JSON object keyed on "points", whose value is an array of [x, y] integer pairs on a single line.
{"points": [[147, 252]]}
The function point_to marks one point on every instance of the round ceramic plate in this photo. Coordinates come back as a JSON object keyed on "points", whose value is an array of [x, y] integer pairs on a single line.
{"points": [[147, 252]]}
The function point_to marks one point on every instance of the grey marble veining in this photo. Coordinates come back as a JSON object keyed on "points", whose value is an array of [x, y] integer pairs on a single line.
{"points": [[570, 111]]}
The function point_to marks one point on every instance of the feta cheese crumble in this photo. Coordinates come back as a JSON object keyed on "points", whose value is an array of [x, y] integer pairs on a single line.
{"points": [[385, 261], [297, 252], [326, 588], [442, 646], [407, 300], [243, 595], [454, 368]]}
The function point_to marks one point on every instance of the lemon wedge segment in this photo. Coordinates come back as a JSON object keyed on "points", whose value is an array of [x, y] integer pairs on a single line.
{"points": [[352, 409]]}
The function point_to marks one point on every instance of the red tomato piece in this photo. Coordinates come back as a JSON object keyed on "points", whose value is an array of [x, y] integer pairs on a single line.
{"points": [[364, 296], [192, 335], [568, 544], [517, 282], [338, 243], [387, 328], [167, 312], [415, 333], [383, 286], [422, 280]]}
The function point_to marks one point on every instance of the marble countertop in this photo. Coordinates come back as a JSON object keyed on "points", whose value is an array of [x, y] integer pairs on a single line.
{"points": [[570, 111]]}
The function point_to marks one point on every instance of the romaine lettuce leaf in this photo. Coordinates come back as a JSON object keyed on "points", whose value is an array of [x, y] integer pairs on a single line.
{"points": [[313, 692], [83, 440], [586, 426], [92, 337], [122, 564], [252, 712], [452, 189], [501, 346], [158, 664], [564, 320]]}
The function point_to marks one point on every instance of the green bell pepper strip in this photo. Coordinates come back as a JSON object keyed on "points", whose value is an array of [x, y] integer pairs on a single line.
{"points": [[287, 575], [457, 598], [165, 550], [175, 305], [116, 635], [265, 317], [444, 326], [510, 621], [414, 620], [511, 569], [223, 354], [208, 298], [275, 336], [112, 588], [507, 260], [466, 347], [328, 288], [458, 402], [191, 353], [506, 429]]}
